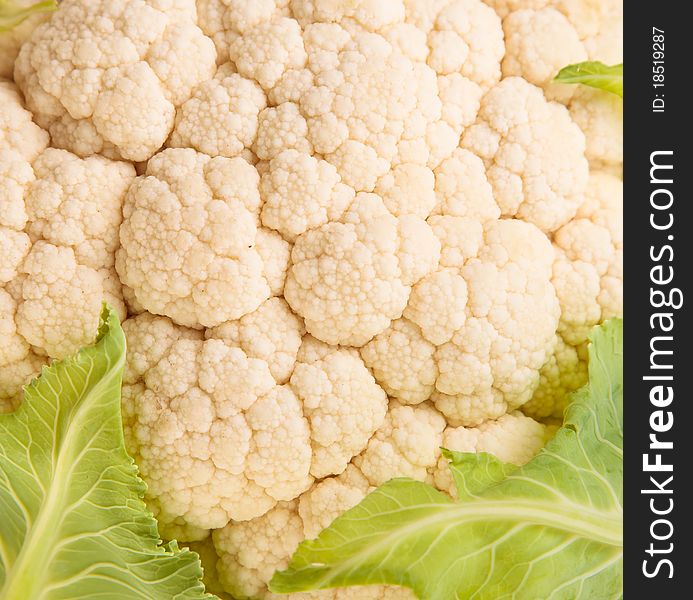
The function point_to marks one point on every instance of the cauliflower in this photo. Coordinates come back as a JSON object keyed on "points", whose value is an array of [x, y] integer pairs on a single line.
{"points": [[342, 235], [18, 132], [272, 333], [599, 25], [221, 432], [301, 192], [600, 116], [106, 77]]}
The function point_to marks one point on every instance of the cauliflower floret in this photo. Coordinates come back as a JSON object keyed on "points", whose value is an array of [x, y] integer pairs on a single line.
{"points": [[465, 48], [250, 552], [534, 154], [467, 38], [408, 40], [280, 128], [588, 278], [342, 401], [406, 445], [605, 41], [14, 247], [267, 50], [329, 498], [106, 76], [18, 132], [221, 117], [349, 279], [538, 44], [18, 364], [350, 122], [14, 376], [78, 202], [210, 18], [58, 232], [462, 189], [514, 439], [403, 362], [272, 333], [490, 364], [188, 239], [598, 24], [600, 116], [275, 253], [16, 175], [225, 20], [59, 223], [214, 436], [588, 274], [293, 84], [408, 189], [461, 100], [565, 372], [301, 192], [61, 300], [372, 15], [478, 330]]}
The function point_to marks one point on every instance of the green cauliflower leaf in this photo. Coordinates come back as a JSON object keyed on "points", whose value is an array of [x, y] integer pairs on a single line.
{"points": [[73, 524], [13, 13], [594, 74], [552, 529]]}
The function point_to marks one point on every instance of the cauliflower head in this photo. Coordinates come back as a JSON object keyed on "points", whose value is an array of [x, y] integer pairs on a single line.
{"points": [[341, 234]]}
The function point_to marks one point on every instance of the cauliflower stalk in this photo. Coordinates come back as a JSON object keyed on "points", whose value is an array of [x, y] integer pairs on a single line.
{"points": [[343, 235]]}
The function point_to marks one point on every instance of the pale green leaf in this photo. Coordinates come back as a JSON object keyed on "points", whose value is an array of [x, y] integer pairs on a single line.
{"points": [[552, 529], [474, 472], [73, 524], [12, 13], [594, 74]]}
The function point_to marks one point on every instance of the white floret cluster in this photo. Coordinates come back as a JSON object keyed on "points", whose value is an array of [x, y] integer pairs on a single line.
{"points": [[341, 235]]}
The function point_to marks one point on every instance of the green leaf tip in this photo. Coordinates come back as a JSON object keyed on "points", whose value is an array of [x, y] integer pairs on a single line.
{"points": [[594, 74], [551, 528], [74, 523], [13, 13]]}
